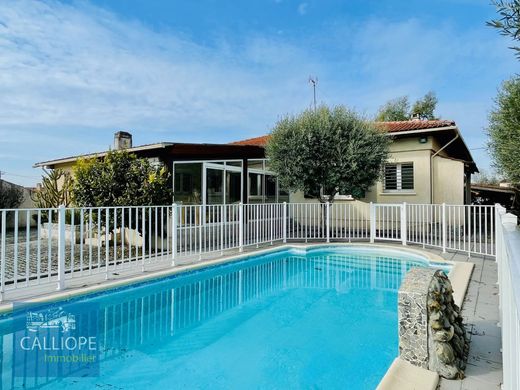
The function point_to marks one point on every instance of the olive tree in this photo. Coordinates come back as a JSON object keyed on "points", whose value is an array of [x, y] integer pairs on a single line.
{"points": [[504, 130], [508, 22], [327, 151]]}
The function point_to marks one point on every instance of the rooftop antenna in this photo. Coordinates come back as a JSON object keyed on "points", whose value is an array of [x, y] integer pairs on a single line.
{"points": [[314, 82]]}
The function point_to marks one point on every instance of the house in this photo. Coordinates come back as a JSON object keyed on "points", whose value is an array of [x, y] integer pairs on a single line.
{"points": [[429, 163], [202, 173]]}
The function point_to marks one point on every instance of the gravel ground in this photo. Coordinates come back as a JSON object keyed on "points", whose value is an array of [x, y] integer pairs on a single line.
{"points": [[29, 257]]}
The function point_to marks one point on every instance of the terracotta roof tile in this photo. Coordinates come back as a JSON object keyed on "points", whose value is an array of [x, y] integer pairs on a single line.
{"points": [[414, 125], [391, 127], [257, 141]]}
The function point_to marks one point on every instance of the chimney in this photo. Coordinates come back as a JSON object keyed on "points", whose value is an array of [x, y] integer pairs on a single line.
{"points": [[122, 140]]}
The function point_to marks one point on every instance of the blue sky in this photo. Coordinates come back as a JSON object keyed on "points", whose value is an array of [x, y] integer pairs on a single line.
{"points": [[74, 72]]}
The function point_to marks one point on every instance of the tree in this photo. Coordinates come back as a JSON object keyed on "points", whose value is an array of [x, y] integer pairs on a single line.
{"points": [[10, 196], [509, 22], [327, 151], [504, 130], [397, 109], [424, 108], [120, 179], [54, 191]]}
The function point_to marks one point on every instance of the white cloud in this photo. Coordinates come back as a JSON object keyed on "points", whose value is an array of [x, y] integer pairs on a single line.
{"points": [[62, 65], [70, 75]]}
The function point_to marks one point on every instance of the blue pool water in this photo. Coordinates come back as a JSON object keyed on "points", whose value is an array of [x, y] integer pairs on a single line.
{"points": [[326, 318]]}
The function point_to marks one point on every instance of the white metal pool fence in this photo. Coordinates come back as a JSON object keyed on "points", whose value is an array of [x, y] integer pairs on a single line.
{"points": [[508, 265], [72, 243]]}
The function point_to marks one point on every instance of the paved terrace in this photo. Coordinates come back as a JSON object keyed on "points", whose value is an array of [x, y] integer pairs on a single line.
{"points": [[480, 310]]}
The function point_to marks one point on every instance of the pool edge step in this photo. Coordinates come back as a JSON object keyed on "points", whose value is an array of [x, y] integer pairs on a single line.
{"points": [[403, 375], [460, 276]]}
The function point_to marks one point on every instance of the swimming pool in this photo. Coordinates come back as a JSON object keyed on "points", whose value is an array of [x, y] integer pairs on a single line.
{"points": [[323, 317]]}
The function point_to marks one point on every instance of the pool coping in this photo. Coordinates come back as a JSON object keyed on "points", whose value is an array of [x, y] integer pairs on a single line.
{"points": [[74, 292]]}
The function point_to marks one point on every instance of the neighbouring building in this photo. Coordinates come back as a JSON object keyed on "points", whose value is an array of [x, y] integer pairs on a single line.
{"points": [[429, 163], [490, 194]]}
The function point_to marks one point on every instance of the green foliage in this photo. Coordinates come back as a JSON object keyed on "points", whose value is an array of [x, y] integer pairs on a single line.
{"points": [[10, 196], [509, 22], [424, 108], [504, 130], [55, 190], [120, 179], [326, 152], [397, 109]]}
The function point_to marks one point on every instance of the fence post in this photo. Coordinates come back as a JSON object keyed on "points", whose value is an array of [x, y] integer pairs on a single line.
{"points": [[404, 224], [241, 227], [3, 233], [61, 248], [327, 222], [284, 227], [372, 222], [174, 233], [497, 233], [107, 243], [444, 228], [202, 224], [498, 257], [222, 227]]}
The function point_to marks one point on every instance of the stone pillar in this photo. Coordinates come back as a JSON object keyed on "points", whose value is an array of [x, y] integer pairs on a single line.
{"points": [[431, 333], [413, 316]]}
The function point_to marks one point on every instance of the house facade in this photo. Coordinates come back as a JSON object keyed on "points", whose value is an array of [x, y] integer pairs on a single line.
{"points": [[200, 173], [429, 163]]}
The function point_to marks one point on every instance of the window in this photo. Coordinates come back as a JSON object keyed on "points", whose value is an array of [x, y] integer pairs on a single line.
{"points": [[255, 184], [398, 177]]}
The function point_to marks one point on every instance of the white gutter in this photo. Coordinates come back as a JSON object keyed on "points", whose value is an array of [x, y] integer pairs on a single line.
{"points": [[390, 133]]}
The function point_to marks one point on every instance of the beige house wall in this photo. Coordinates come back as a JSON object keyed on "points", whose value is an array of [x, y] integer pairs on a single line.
{"points": [[448, 177], [68, 168], [448, 181], [421, 173]]}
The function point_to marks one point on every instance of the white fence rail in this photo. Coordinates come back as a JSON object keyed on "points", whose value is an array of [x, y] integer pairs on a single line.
{"points": [[77, 242], [508, 264]]}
